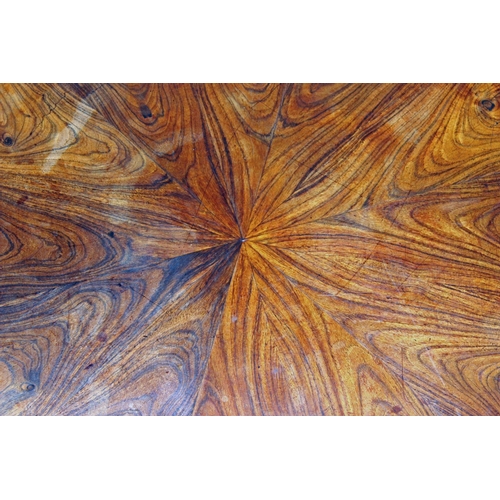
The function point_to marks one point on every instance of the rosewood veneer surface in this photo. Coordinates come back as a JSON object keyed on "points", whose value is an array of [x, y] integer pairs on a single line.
{"points": [[249, 249]]}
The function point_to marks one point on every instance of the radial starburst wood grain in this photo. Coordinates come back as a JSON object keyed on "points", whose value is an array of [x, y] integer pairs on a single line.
{"points": [[249, 249]]}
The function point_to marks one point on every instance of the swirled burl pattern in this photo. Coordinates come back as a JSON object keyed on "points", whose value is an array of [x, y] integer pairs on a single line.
{"points": [[249, 249]]}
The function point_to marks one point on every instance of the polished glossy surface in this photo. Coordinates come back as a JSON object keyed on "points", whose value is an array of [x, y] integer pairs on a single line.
{"points": [[249, 249]]}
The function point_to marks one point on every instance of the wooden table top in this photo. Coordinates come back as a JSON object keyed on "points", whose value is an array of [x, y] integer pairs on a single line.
{"points": [[250, 249]]}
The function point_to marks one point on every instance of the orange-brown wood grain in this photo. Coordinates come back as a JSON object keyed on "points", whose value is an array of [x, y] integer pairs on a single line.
{"points": [[249, 249]]}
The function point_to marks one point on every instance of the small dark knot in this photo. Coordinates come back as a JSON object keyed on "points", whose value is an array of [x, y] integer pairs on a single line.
{"points": [[487, 104], [8, 141], [28, 387], [146, 112]]}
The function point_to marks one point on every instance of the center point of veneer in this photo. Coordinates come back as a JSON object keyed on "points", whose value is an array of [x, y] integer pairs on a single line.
{"points": [[240, 241]]}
